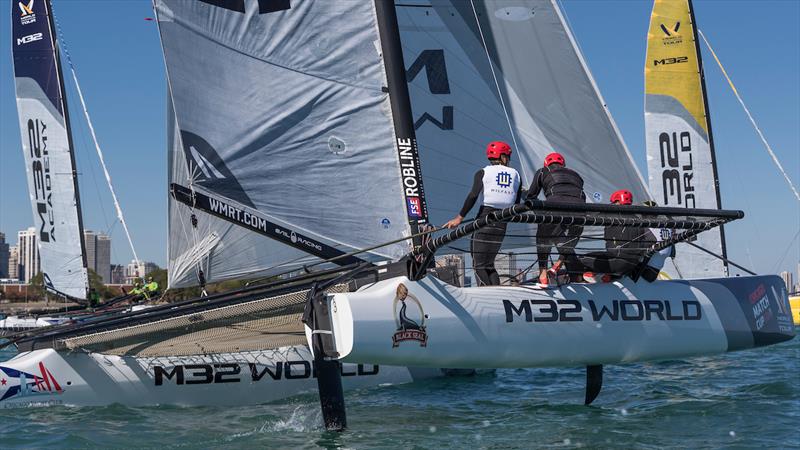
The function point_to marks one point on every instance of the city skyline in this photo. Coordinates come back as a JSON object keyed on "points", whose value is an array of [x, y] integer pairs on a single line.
{"points": [[16, 260]]}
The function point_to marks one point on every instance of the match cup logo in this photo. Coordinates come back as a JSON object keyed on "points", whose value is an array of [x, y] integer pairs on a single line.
{"points": [[410, 321]]}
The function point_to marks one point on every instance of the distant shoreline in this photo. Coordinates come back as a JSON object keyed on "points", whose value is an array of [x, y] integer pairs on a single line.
{"points": [[40, 307]]}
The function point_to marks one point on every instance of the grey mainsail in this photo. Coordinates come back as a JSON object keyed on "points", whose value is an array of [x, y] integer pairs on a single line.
{"points": [[483, 70], [284, 130], [48, 150]]}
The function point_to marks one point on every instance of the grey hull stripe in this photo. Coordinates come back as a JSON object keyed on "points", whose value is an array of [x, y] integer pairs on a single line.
{"points": [[664, 104], [737, 329]]}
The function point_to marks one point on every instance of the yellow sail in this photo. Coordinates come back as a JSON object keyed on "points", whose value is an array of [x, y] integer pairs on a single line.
{"points": [[672, 67], [794, 301], [679, 141]]}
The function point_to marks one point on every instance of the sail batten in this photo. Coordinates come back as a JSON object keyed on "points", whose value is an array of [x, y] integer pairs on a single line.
{"points": [[287, 115], [680, 147], [48, 150]]}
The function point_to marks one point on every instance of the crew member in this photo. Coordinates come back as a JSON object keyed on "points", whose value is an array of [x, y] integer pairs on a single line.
{"points": [[501, 188], [137, 287], [652, 267], [559, 184], [151, 288], [625, 247]]}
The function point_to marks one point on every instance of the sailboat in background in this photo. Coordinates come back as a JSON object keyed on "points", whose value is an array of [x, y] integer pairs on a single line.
{"points": [[49, 153], [293, 146], [681, 163]]}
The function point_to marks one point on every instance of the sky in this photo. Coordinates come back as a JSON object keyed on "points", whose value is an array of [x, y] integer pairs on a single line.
{"points": [[118, 59]]}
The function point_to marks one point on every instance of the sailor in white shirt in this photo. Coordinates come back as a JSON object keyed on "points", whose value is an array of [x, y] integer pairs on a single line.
{"points": [[501, 187]]}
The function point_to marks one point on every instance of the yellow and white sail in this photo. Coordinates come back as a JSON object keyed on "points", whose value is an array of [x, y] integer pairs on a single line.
{"points": [[680, 148]]}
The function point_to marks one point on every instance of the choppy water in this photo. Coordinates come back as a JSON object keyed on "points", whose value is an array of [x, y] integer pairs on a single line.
{"points": [[748, 399]]}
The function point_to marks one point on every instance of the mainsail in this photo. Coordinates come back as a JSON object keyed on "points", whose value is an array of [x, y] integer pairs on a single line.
{"points": [[299, 135], [283, 143], [680, 148], [485, 70], [47, 146]]}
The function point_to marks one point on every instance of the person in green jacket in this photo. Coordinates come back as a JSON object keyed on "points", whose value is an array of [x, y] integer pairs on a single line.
{"points": [[137, 288], [151, 288]]}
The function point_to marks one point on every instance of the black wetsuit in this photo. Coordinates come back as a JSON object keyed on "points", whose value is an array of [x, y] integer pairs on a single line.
{"points": [[625, 249], [486, 242], [559, 184]]}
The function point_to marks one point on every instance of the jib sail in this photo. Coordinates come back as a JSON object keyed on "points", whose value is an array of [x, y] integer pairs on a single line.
{"points": [[483, 70], [680, 148], [283, 147], [48, 150]]}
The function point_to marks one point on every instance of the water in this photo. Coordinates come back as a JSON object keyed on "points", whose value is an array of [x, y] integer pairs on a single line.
{"points": [[748, 399]]}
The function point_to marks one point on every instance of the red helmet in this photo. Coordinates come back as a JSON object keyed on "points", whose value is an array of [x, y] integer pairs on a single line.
{"points": [[554, 158], [497, 148], [622, 196]]}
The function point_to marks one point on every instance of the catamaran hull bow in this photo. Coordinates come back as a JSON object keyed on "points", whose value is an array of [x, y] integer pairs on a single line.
{"points": [[432, 324], [47, 377]]}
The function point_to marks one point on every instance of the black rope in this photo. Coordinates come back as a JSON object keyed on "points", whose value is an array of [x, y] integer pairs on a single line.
{"points": [[722, 258]]}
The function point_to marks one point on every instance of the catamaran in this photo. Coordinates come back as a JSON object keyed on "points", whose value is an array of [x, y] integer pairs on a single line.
{"points": [[49, 154], [297, 135]]}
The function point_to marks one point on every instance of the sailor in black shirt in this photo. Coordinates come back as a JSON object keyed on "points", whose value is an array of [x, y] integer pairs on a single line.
{"points": [[625, 248], [501, 188], [559, 184]]}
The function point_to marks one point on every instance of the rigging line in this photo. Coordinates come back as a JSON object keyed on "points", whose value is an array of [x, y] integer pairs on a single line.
{"points": [[786, 252], [85, 160], [749, 116], [94, 138], [721, 257], [496, 83], [428, 231]]}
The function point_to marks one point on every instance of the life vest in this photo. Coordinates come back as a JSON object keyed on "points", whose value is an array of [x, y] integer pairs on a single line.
{"points": [[500, 186], [561, 182]]}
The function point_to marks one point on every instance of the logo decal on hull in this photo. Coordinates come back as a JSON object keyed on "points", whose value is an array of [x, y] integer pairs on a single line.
{"points": [[16, 383], [408, 328], [759, 302], [189, 374]]}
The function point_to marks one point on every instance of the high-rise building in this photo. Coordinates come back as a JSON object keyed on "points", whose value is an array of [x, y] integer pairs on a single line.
{"points": [[797, 286], [28, 254], [506, 266], [138, 269], [103, 257], [117, 274], [13, 262], [788, 279], [89, 239], [3, 256], [456, 262], [98, 254]]}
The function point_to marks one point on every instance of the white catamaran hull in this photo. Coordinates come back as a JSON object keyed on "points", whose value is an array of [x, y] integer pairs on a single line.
{"points": [[47, 377], [439, 325]]}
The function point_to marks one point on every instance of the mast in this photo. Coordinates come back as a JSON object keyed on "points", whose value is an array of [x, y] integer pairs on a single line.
{"points": [[708, 124], [63, 99], [406, 139]]}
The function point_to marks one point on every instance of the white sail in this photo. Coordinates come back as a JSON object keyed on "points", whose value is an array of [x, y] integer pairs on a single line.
{"points": [[680, 151], [488, 70], [284, 130], [47, 146]]}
